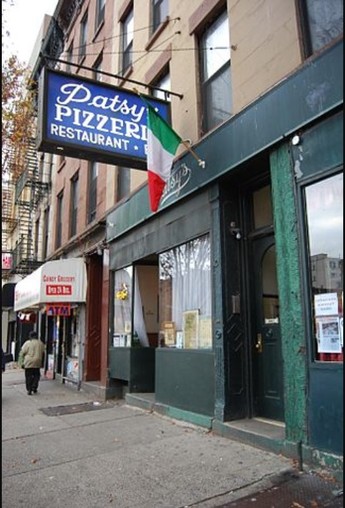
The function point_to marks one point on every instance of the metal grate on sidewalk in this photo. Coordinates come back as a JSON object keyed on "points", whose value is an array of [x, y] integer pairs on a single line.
{"points": [[294, 490]]}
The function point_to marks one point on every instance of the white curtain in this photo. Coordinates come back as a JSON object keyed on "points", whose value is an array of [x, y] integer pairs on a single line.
{"points": [[139, 322], [189, 269], [122, 315]]}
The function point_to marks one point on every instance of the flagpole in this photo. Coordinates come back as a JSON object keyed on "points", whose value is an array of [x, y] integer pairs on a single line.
{"points": [[183, 142], [200, 162]]}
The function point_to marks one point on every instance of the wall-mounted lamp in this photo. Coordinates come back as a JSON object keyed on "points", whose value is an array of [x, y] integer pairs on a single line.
{"points": [[234, 230], [296, 140]]}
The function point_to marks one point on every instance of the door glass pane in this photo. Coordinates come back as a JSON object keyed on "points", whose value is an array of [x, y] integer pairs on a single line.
{"points": [[324, 206], [262, 207], [270, 300]]}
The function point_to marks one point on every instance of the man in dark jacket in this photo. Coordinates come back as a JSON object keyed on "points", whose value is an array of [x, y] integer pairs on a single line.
{"points": [[31, 355]]}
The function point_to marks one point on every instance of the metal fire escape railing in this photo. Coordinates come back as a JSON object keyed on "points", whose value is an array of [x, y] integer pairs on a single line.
{"points": [[22, 198]]}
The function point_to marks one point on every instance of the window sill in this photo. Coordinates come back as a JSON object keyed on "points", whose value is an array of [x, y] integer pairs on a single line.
{"points": [[126, 75], [97, 30], [61, 165], [157, 33]]}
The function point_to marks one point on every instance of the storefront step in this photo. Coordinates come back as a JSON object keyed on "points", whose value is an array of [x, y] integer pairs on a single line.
{"points": [[268, 435]]}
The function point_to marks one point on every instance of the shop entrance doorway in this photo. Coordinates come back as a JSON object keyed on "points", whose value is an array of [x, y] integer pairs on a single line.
{"points": [[265, 346]]}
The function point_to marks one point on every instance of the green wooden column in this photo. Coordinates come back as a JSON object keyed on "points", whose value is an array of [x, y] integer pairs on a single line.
{"points": [[289, 283], [217, 274]]}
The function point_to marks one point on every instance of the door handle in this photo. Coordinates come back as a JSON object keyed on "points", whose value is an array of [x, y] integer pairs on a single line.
{"points": [[259, 344]]}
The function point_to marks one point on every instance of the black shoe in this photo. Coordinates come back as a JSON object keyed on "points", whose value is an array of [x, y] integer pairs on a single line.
{"points": [[35, 391], [29, 393]]}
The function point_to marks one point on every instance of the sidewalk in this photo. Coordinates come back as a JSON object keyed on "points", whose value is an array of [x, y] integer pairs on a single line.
{"points": [[62, 448]]}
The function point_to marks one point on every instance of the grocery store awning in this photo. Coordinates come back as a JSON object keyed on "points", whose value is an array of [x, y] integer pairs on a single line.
{"points": [[61, 281]]}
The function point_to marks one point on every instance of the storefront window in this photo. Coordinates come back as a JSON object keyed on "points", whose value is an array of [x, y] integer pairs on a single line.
{"points": [[122, 330], [324, 207], [185, 296]]}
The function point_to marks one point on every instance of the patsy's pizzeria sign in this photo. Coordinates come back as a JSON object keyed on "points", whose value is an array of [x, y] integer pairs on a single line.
{"points": [[92, 120]]}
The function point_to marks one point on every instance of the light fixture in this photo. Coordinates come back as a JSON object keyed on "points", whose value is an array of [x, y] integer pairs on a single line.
{"points": [[296, 140], [234, 230]]}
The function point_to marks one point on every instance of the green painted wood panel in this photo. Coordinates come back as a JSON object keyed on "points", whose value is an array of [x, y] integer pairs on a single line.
{"points": [[185, 379]]}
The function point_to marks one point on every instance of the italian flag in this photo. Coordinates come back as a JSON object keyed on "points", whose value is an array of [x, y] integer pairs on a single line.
{"points": [[162, 143]]}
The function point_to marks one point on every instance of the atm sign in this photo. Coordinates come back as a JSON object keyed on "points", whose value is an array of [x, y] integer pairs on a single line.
{"points": [[55, 309]]}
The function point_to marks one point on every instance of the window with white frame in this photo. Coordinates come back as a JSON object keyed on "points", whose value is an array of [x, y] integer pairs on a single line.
{"points": [[185, 295], [215, 73], [163, 82]]}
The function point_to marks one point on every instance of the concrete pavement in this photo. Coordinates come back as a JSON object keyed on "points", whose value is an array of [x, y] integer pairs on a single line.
{"points": [[110, 454]]}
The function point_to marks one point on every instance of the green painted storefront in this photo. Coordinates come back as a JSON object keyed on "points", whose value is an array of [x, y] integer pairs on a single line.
{"points": [[251, 151]]}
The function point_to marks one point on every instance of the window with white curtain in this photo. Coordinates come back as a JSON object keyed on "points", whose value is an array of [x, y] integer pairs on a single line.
{"points": [[185, 295], [123, 297]]}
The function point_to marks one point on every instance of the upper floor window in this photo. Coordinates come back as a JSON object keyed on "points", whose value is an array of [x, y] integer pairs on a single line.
{"points": [[127, 41], [160, 11], [37, 231], [92, 191], [215, 73], [59, 209], [123, 182], [83, 37], [165, 83], [100, 8], [45, 233], [41, 167], [322, 22], [69, 57], [97, 68], [74, 204]]}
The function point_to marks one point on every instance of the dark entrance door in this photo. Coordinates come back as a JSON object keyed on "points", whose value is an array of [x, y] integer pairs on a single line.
{"points": [[266, 345]]}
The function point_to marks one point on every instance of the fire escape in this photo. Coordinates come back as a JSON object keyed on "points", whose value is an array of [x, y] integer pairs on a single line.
{"points": [[20, 197], [24, 186]]}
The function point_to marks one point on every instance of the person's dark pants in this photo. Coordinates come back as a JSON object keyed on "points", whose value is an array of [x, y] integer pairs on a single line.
{"points": [[32, 378]]}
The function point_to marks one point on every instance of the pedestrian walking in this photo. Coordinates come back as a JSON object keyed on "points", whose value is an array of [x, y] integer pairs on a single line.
{"points": [[31, 359]]}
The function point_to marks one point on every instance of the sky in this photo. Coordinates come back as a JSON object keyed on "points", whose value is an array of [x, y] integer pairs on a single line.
{"points": [[23, 19]]}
